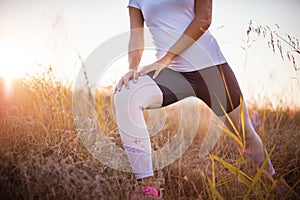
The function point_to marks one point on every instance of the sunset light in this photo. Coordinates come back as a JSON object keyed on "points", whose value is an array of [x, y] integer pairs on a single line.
{"points": [[17, 61], [71, 129]]}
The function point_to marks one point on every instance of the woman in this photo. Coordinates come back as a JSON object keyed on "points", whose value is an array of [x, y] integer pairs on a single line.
{"points": [[188, 64]]}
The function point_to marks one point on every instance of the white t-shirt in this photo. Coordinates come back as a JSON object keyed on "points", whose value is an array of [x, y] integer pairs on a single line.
{"points": [[167, 20]]}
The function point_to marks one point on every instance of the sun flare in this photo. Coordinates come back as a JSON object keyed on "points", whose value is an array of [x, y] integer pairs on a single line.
{"points": [[17, 61]]}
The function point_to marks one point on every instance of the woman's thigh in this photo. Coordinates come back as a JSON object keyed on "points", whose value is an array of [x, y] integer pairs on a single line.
{"points": [[216, 86]]}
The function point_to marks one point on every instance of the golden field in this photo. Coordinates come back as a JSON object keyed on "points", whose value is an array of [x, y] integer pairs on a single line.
{"points": [[43, 157]]}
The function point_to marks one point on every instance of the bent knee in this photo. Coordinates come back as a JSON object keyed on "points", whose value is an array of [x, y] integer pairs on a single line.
{"points": [[125, 93], [145, 94]]}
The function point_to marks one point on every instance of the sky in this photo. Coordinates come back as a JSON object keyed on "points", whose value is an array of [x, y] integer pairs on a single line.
{"points": [[56, 32]]}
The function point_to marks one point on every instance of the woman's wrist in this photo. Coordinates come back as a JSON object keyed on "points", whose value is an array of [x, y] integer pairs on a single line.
{"points": [[132, 67], [168, 57]]}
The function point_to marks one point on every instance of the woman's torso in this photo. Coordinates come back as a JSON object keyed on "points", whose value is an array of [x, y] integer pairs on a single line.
{"points": [[167, 20]]}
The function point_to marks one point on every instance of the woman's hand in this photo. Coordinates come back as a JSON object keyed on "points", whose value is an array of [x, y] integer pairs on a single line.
{"points": [[131, 74], [156, 66]]}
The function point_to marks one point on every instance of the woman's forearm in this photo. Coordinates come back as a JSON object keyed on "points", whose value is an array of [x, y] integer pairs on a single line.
{"points": [[135, 52], [136, 41]]}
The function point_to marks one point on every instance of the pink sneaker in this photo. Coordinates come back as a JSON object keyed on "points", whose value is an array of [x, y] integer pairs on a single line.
{"points": [[147, 193]]}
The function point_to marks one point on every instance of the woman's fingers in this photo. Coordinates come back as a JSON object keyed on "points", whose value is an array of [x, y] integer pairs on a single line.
{"points": [[121, 82], [126, 81], [135, 76], [156, 73], [132, 74], [153, 67], [147, 69], [119, 85]]}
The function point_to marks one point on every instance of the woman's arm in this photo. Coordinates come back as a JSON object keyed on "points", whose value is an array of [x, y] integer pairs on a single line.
{"points": [[135, 47], [200, 24], [136, 41]]}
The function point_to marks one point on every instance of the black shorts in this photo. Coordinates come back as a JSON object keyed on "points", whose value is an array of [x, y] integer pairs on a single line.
{"points": [[216, 86]]}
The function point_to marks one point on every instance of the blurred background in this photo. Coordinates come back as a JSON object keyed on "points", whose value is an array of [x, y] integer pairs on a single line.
{"points": [[36, 33]]}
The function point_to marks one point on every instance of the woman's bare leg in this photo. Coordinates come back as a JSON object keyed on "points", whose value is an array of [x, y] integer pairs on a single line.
{"points": [[254, 145]]}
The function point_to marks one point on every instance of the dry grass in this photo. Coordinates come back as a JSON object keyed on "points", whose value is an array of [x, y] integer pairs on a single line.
{"points": [[42, 156]]}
